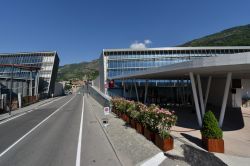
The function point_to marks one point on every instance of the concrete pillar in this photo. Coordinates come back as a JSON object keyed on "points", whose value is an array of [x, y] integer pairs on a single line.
{"points": [[4, 98], [25, 88], [30, 84], [124, 89], [36, 84], [207, 91], [136, 91], [146, 92], [198, 113], [19, 100], [200, 95], [225, 97], [15, 86]]}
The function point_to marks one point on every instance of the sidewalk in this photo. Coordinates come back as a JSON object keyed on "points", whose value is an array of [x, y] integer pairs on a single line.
{"points": [[131, 148], [27, 108]]}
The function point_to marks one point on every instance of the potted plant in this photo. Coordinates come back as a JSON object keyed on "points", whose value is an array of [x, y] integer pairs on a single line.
{"points": [[133, 114], [212, 134], [134, 118], [166, 120], [114, 103], [121, 107], [140, 108], [150, 122]]}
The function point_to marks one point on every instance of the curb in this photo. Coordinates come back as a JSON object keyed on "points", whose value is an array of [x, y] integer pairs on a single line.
{"points": [[107, 136], [23, 112]]}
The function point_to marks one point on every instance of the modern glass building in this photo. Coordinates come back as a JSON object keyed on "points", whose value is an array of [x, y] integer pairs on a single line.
{"points": [[48, 63], [115, 62]]}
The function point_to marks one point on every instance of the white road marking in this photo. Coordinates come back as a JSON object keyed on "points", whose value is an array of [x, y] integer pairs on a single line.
{"points": [[155, 160], [14, 117], [79, 146], [20, 139]]}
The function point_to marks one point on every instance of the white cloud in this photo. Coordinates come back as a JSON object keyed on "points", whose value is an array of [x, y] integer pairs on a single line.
{"points": [[140, 45], [137, 45], [147, 41]]}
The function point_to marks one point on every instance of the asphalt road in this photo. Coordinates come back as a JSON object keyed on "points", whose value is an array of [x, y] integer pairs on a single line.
{"points": [[53, 135]]}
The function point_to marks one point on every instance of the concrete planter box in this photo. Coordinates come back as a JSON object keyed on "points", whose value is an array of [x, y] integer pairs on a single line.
{"points": [[164, 144], [213, 145], [139, 128], [149, 134]]}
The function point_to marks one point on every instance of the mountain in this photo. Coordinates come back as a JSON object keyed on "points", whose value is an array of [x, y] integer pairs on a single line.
{"points": [[236, 36], [78, 71]]}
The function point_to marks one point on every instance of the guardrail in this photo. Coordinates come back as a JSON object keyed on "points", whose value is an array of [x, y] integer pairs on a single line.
{"points": [[101, 98]]}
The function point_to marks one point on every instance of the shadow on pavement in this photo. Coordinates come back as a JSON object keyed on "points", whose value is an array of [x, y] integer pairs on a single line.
{"points": [[193, 139], [195, 156]]}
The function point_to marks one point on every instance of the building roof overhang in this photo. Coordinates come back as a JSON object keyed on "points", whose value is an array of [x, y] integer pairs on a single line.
{"points": [[178, 48], [218, 66]]}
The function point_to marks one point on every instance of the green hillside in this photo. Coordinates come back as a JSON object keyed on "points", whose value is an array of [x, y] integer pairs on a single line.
{"points": [[78, 71], [236, 36]]}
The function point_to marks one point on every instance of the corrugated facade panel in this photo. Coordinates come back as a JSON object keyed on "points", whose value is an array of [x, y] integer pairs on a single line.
{"points": [[47, 61]]}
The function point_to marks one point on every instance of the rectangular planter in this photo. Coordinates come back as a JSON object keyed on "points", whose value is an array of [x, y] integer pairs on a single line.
{"points": [[125, 118], [164, 144], [132, 123], [119, 114], [114, 111], [213, 145], [149, 134], [139, 128]]}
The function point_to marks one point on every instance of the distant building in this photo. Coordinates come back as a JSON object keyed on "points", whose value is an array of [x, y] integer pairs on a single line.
{"points": [[48, 63]]}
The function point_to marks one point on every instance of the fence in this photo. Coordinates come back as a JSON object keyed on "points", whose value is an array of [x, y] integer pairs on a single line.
{"points": [[103, 99]]}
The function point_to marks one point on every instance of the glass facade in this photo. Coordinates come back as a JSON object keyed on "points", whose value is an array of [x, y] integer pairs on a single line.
{"points": [[47, 61], [129, 61]]}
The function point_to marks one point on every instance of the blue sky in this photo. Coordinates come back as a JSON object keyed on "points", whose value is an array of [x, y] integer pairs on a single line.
{"points": [[79, 29]]}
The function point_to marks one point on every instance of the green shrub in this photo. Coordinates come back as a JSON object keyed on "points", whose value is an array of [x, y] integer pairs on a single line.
{"points": [[130, 107], [210, 127]]}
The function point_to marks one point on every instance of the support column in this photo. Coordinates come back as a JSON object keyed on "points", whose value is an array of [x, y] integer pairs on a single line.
{"points": [[146, 92], [131, 86], [30, 84], [207, 91], [200, 95], [198, 113], [124, 88], [137, 97], [36, 85], [224, 102]]}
